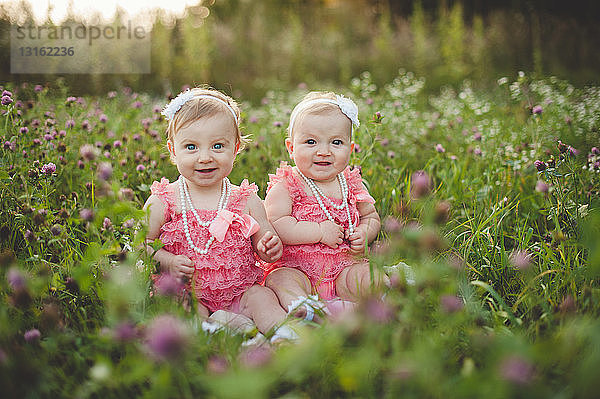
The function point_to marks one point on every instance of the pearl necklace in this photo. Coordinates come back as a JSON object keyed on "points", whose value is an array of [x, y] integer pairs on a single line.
{"points": [[319, 195], [185, 198]]}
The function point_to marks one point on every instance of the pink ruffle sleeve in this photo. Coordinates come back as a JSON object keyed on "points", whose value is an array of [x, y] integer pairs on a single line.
{"points": [[285, 174], [357, 191], [164, 191]]}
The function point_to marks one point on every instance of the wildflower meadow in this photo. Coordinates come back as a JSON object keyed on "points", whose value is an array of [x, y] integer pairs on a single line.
{"points": [[491, 239]]}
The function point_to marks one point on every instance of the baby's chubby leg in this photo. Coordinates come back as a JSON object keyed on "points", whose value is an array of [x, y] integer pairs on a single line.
{"points": [[261, 305], [354, 282], [288, 284]]}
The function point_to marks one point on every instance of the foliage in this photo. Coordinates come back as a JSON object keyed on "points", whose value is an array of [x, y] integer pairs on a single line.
{"points": [[254, 46]]}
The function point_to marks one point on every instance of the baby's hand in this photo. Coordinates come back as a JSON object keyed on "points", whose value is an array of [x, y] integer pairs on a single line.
{"points": [[332, 234], [358, 240], [181, 267], [270, 247]]}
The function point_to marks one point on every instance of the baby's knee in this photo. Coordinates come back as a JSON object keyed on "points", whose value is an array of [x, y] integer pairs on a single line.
{"points": [[355, 281], [260, 292], [257, 294], [286, 277]]}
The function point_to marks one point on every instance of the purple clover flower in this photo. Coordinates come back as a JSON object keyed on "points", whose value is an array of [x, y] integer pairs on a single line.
{"points": [[38, 88], [48, 168], [6, 100], [87, 152], [166, 338], [140, 168], [451, 303], [125, 332], [391, 224], [420, 184], [168, 285], [541, 187], [256, 357], [439, 148], [217, 365], [107, 224], [537, 110], [520, 259], [516, 369], [9, 145], [572, 151], [105, 171], [15, 279], [32, 335], [86, 214], [378, 311], [129, 223], [146, 122], [24, 130], [540, 165]]}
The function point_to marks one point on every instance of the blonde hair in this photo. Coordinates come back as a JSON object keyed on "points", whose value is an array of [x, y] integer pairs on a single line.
{"points": [[300, 110], [204, 107]]}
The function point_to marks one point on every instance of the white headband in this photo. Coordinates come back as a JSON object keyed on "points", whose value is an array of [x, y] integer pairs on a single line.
{"points": [[346, 105], [175, 105]]}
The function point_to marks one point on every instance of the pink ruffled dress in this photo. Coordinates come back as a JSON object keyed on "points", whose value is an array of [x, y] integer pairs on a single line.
{"points": [[230, 267], [322, 264]]}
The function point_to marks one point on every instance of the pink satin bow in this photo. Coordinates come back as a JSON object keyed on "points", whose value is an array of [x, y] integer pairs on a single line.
{"points": [[218, 228]]}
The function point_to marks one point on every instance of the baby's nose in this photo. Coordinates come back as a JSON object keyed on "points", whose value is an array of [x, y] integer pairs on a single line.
{"points": [[203, 156], [323, 150]]}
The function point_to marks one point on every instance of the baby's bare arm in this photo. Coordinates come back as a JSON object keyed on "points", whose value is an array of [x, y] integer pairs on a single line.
{"points": [[369, 220], [179, 265], [265, 241], [368, 227], [278, 205]]}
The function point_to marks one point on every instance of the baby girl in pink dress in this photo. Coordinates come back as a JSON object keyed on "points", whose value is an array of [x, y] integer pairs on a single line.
{"points": [[321, 209], [213, 231]]}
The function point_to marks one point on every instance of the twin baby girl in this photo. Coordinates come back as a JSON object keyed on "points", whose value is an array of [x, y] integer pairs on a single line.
{"points": [[301, 250]]}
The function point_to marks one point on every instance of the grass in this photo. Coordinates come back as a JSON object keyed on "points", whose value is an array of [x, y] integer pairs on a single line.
{"points": [[504, 250]]}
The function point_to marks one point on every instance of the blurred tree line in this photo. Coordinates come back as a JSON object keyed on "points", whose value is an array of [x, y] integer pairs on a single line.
{"points": [[247, 47]]}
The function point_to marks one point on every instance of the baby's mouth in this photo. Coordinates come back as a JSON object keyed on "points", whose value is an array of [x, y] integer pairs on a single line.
{"points": [[206, 170], [323, 163]]}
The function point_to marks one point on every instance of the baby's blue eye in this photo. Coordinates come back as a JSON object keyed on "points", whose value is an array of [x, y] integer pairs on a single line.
{"points": [[190, 147], [310, 141], [218, 146], [337, 142]]}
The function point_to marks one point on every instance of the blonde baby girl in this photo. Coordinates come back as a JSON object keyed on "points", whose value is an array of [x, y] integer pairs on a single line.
{"points": [[321, 209], [211, 229]]}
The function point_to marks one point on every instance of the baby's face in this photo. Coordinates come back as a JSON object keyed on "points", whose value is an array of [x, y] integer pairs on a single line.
{"points": [[321, 145], [204, 150]]}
